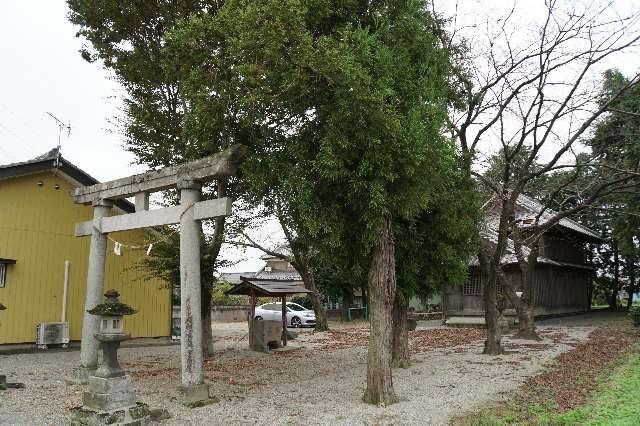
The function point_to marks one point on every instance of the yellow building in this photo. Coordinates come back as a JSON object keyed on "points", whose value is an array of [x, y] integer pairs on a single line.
{"points": [[37, 222]]}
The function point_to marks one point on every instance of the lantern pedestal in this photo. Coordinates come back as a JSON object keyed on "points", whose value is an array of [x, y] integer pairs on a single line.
{"points": [[110, 343]]}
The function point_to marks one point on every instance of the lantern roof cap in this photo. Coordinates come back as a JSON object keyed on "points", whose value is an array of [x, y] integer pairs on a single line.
{"points": [[112, 306]]}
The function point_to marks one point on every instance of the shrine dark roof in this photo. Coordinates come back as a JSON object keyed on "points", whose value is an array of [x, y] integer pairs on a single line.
{"points": [[266, 288]]}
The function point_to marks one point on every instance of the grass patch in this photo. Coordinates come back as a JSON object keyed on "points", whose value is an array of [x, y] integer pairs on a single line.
{"points": [[617, 400], [597, 383]]}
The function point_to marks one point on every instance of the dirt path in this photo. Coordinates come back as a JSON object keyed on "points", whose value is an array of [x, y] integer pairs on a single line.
{"points": [[319, 384]]}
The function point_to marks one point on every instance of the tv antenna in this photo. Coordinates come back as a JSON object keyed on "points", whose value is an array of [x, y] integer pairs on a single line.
{"points": [[61, 128]]}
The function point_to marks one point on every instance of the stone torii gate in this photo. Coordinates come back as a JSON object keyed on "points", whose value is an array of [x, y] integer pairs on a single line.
{"points": [[187, 178]]}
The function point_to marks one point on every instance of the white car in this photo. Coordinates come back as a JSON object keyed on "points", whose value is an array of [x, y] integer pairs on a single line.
{"points": [[297, 315]]}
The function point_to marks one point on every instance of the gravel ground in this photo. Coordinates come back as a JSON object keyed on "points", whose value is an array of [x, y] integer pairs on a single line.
{"points": [[321, 383]]}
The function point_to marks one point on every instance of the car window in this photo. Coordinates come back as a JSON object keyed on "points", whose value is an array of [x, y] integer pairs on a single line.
{"points": [[296, 307]]}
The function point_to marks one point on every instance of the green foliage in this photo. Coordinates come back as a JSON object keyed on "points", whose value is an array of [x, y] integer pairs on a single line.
{"points": [[343, 104], [601, 291], [433, 250], [615, 147], [128, 38], [164, 120], [498, 174], [221, 298], [361, 98], [112, 309], [164, 260], [302, 300]]}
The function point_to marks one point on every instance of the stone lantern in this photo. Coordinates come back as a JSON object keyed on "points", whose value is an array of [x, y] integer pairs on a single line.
{"points": [[111, 397], [111, 313]]}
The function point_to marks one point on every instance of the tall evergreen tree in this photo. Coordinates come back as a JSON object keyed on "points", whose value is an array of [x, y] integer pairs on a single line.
{"points": [[358, 91]]}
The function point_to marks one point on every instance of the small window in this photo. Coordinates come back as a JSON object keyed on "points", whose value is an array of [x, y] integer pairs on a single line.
{"points": [[473, 285], [3, 274]]}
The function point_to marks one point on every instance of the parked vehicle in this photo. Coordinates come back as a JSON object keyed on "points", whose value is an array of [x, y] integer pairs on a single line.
{"points": [[297, 315]]}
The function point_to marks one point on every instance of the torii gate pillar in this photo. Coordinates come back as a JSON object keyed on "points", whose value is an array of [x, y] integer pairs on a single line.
{"points": [[193, 388], [95, 286]]}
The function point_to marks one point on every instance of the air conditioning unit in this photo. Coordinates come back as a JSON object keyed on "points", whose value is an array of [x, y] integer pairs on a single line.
{"points": [[52, 333]]}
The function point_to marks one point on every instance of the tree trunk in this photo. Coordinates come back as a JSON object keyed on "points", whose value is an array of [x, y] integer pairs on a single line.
{"points": [[400, 349], [590, 285], [613, 303], [525, 308], [318, 307], [207, 334], [493, 345], [526, 322], [214, 251], [382, 288]]}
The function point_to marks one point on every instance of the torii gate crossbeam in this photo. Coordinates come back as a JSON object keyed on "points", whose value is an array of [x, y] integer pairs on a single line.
{"points": [[187, 178]]}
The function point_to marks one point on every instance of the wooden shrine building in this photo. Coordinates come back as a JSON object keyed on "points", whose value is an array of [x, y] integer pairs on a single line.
{"points": [[562, 276]]}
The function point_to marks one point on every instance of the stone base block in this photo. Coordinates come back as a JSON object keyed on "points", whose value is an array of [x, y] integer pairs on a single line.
{"points": [[80, 376], [135, 415], [108, 394], [194, 395], [265, 335]]}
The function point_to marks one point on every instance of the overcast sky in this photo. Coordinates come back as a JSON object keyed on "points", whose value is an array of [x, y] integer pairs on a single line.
{"points": [[41, 71]]}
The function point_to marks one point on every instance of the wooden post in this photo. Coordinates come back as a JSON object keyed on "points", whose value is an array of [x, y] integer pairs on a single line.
{"points": [[253, 306], [284, 320], [252, 315]]}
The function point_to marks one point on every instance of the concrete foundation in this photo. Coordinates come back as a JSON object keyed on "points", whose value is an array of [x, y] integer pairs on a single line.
{"points": [[110, 401], [134, 416], [194, 395], [109, 394], [80, 376]]}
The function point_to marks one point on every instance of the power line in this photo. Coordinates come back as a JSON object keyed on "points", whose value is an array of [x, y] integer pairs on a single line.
{"points": [[24, 145], [26, 125]]}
